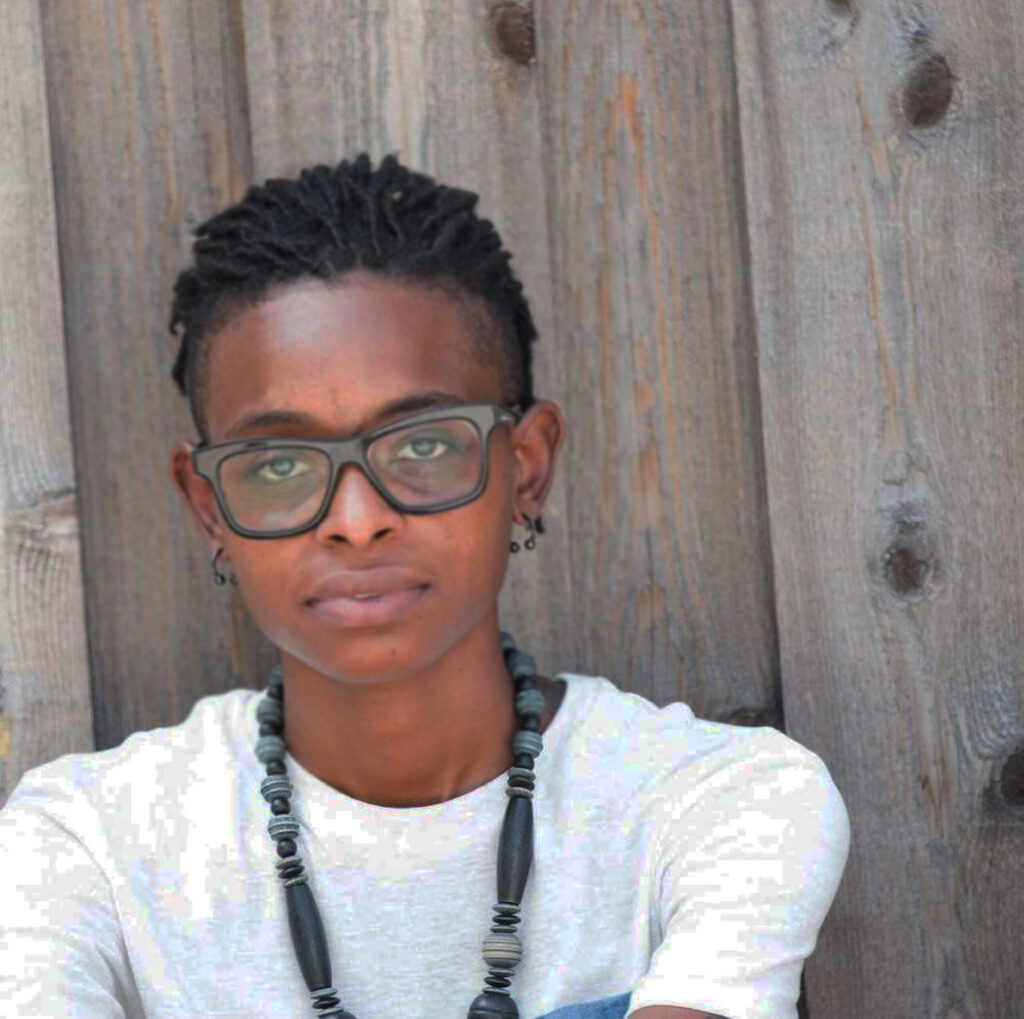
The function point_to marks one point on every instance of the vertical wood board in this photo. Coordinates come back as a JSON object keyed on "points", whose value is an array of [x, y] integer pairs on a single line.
{"points": [[882, 158], [149, 125]]}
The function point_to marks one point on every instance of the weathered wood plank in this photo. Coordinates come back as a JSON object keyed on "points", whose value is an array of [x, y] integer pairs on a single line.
{"points": [[150, 132], [883, 151], [443, 85], [45, 702], [672, 577]]}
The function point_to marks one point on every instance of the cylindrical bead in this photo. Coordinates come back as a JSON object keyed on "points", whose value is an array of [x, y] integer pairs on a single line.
{"points": [[308, 936], [515, 849]]}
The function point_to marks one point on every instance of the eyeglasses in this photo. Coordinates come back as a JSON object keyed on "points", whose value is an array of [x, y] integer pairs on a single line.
{"points": [[424, 463]]}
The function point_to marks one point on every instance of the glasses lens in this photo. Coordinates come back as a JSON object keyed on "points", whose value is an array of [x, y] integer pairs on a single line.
{"points": [[275, 489], [427, 464], [419, 466]]}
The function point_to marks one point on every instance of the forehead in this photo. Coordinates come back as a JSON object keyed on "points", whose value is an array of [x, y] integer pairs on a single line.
{"points": [[337, 351]]}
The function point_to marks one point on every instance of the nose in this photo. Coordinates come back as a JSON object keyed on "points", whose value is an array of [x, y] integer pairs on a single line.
{"points": [[357, 511]]}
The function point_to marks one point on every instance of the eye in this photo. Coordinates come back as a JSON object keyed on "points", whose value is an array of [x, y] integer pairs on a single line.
{"points": [[425, 448], [279, 468]]}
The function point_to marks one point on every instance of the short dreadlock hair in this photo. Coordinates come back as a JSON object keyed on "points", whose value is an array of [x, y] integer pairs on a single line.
{"points": [[390, 220]]}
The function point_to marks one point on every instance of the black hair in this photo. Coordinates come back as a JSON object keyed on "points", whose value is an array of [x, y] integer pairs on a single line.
{"points": [[330, 221]]}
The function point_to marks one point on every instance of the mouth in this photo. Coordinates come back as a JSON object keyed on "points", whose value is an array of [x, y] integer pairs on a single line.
{"points": [[367, 610]]}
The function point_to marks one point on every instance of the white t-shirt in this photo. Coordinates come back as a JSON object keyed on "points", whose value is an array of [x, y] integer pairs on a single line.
{"points": [[688, 862]]}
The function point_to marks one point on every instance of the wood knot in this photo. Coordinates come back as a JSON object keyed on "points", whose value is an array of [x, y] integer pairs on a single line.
{"points": [[1011, 779], [909, 558], [512, 28], [928, 91], [752, 717]]}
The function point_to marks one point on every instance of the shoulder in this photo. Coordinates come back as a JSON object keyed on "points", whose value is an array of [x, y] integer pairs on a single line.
{"points": [[154, 779], [689, 773]]}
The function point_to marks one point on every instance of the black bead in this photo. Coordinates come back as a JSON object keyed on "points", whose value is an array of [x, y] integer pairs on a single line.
{"points": [[270, 729], [275, 766], [308, 936], [279, 805], [521, 782], [524, 761], [491, 1005], [515, 850], [531, 723], [276, 691], [290, 870], [286, 847]]}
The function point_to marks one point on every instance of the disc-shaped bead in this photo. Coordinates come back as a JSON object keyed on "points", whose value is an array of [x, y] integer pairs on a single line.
{"points": [[274, 786], [524, 743], [530, 702], [521, 664], [269, 710], [269, 748], [283, 826]]}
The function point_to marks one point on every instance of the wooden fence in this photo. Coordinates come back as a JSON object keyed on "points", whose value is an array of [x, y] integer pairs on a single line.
{"points": [[774, 249]]}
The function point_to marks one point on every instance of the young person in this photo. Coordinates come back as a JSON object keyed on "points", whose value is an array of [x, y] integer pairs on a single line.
{"points": [[409, 821]]}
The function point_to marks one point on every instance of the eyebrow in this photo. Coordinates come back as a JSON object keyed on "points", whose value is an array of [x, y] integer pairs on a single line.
{"points": [[404, 405]]}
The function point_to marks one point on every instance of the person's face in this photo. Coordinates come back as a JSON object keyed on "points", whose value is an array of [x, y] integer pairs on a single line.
{"points": [[336, 354]]}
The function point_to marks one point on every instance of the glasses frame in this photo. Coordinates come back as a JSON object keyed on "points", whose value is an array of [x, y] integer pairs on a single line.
{"points": [[207, 459]]}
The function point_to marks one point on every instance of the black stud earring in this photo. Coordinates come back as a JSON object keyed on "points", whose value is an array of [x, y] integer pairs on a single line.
{"points": [[218, 577]]}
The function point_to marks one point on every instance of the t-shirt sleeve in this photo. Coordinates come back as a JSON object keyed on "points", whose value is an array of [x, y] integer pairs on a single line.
{"points": [[61, 948], [749, 859]]}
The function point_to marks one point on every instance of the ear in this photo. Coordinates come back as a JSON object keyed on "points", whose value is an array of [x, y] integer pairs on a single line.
{"points": [[198, 495], [536, 442]]}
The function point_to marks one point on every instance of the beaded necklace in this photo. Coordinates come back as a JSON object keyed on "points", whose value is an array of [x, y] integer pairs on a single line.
{"points": [[502, 949]]}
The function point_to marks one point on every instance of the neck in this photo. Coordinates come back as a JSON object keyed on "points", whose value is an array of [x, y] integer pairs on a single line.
{"points": [[412, 737]]}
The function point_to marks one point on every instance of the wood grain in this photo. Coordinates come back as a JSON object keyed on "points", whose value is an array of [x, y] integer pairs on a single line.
{"points": [[672, 577], [45, 703], [147, 104], [882, 158]]}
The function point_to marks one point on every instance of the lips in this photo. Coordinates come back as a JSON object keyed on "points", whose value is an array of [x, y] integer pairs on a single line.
{"points": [[376, 581]]}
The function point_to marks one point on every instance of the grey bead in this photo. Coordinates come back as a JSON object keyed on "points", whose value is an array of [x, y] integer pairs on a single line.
{"points": [[275, 786], [269, 748], [527, 743], [290, 861], [269, 710], [507, 641], [283, 826], [514, 790], [502, 950], [530, 702], [521, 665]]}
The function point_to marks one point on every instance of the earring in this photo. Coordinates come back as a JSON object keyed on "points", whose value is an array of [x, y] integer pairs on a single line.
{"points": [[531, 541], [219, 578]]}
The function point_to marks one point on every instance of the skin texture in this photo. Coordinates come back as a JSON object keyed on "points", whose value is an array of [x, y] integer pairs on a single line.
{"points": [[417, 711]]}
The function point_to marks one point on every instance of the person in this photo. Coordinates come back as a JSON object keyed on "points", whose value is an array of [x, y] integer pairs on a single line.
{"points": [[409, 820]]}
